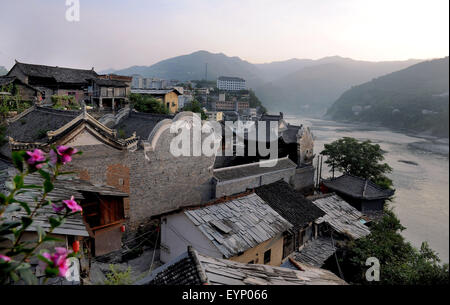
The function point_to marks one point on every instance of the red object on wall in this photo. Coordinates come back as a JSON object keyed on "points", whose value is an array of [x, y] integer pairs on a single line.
{"points": [[76, 246], [122, 228]]}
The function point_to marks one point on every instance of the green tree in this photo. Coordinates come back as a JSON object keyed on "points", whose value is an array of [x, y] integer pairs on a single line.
{"points": [[400, 262], [196, 107], [148, 104], [362, 159], [255, 102]]}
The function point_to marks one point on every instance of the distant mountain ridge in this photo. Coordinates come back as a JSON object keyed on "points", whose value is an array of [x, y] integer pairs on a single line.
{"points": [[414, 98], [298, 86]]}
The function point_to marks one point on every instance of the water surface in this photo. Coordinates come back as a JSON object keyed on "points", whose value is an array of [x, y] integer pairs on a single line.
{"points": [[420, 174]]}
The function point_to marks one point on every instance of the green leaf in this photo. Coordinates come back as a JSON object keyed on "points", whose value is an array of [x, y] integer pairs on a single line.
{"points": [[28, 276], [18, 181], [48, 186], [54, 222], [17, 158], [26, 222], [25, 206], [14, 276], [44, 174], [41, 233], [51, 238]]}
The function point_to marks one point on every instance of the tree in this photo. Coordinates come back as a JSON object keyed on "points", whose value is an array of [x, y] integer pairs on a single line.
{"points": [[400, 262], [362, 159], [255, 102], [148, 104], [196, 107]]}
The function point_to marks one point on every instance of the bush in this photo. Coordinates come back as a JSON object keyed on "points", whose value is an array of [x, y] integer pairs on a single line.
{"points": [[64, 102], [148, 104], [115, 277]]}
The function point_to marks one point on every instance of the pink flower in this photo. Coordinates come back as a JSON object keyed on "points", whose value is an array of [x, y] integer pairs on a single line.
{"points": [[4, 258], [35, 156], [57, 208], [73, 205], [59, 260], [66, 153]]}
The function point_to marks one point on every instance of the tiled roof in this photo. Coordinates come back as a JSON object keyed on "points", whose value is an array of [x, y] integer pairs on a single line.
{"points": [[32, 124], [238, 225], [63, 190], [291, 205], [357, 187], [341, 216], [155, 91], [141, 123], [315, 252], [110, 82], [61, 75], [252, 169], [193, 268], [183, 270]]}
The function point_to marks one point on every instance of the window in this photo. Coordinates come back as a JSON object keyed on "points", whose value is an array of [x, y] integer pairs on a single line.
{"points": [[267, 255]]}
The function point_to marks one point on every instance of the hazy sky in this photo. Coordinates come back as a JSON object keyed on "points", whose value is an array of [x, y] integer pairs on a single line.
{"points": [[118, 34]]}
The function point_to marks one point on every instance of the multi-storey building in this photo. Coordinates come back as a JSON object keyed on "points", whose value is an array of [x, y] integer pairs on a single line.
{"points": [[230, 83]]}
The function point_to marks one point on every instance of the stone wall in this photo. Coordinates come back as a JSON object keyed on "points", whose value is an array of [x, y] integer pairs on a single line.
{"points": [[303, 180], [236, 186]]}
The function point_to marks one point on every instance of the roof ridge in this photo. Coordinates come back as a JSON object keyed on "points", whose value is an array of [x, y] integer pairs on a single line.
{"points": [[55, 67]]}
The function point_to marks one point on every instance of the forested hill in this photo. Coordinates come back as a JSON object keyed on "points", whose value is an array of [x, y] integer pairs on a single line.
{"points": [[415, 98]]}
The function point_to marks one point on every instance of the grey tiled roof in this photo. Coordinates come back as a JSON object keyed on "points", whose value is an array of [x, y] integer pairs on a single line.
{"points": [[193, 268], [357, 187], [141, 123], [183, 270], [238, 225], [252, 169], [37, 121], [290, 204], [315, 252], [341, 216], [63, 190], [61, 75]]}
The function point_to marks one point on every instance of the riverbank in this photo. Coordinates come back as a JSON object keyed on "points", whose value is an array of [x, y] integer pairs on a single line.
{"points": [[422, 197]]}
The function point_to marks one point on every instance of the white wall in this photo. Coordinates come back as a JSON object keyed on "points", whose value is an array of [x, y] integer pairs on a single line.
{"points": [[178, 225]]}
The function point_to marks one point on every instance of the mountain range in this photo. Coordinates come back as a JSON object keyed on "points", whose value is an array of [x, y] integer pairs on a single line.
{"points": [[415, 98], [296, 86]]}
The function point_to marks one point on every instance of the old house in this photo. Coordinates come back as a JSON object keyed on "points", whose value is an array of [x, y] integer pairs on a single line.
{"points": [[340, 222], [295, 208], [108, 94], [84, 85], [55, 80], [361, 193], [24, 91], [194, 268], [243, 229], [168, 97]]}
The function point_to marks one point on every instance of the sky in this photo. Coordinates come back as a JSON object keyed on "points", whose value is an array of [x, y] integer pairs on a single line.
{"points": [[121, 33]]}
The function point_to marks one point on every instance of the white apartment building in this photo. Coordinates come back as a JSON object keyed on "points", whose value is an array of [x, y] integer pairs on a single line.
{"points": [[230, 83]]}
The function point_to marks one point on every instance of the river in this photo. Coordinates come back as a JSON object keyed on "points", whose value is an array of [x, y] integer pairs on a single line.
{"points": [[422, 182]]}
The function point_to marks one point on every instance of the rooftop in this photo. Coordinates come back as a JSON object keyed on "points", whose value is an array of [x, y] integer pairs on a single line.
{"points": [[63, 190], [252, 169], [357, 187], [239, 224], [291, 205], [193, 268], [59, 74], [315, 252], [341, 216], [231, 78], [141, 123], [155, 91]]}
